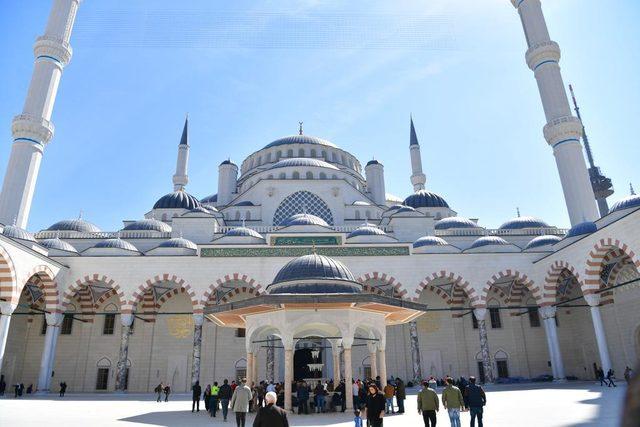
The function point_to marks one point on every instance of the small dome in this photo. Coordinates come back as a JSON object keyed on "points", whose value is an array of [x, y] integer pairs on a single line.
{"points": [[14, 232], [178, 242], [488, 241], [177, 200], [361, 203], [245, 203], [581, 229], [373, 162], [79, 225], [455, 222], [116, 243], [210, 199], [299, 139], [429, 241], [366, 230], [542, 241], [148, 224], [302, 161], [425, 199], [57, 244], [227, 162], [243, 232], [628, 202], [304, 219], [521, 222]]}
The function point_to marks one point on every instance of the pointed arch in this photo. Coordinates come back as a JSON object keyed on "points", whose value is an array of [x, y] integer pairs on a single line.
{"points": [[252, 287], [300, 202], [139, 293], [86, 281], [596, 262], [512, 289], [453, 296], [43, 277], [398, 289], [8, 278]]}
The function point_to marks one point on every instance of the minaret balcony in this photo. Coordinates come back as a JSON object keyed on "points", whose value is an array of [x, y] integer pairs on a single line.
{"points": [[541, 53], [54, 49], [563, 129], [32, 128]]}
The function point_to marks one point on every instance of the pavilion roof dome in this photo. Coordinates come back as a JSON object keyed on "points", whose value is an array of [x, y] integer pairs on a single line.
{"points": [[454, 222], [425, 199], [581, 229], [15, 232], [300, 139], [366, 229], [58, 244], [116, 243], [632, 201], [178, 242], [304, 219], [542, 241], [429, 241], [177, 200], [79, 225], [243, 232], [488, 241], [148, 224], [520, 222]]}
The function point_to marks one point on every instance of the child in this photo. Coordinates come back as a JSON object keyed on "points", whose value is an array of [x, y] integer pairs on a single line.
{"points": [[357, 420]]}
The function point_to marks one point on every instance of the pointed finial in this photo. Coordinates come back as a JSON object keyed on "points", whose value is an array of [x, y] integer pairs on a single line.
{"points": [[304, 208], [631, 190], [184, 140], [80, 214], [313, 247], [518, 212], [300, 131], [180, 234], [15, 220], [118, 235], [413, 137]]}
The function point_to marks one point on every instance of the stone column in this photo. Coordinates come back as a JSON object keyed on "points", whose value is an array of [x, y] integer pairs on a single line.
{"points": [[548, 315], [198, 321], [121, 367], [348, 374], [54, 320], [270, 360], [6, 310], [255, 373], [382, 366], [487, 365], [250, 362], [335, 350], [373, 356], [594, 302], [288, 378], [415, 352]]}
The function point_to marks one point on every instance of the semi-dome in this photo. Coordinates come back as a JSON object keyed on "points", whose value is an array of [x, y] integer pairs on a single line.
{"points": [[361, 203], [243, 232], [542, 241], [304, 219], [177, 200], [116, 243], [148, 224], [521, 222], [488, 241], [425, 199], [302, 161], [213, 198], [79, 225], [300, 139], [455, 222], [15, 232], [429, 241], [581, 229], [314, 274], [178, 243], [57, 244], [632, 201], [366, 230]]}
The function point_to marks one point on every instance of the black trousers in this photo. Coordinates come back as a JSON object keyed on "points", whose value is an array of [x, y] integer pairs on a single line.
{"points": [[375, 423], [240, 418], [429, 418], [400, 405], [195, 404]]}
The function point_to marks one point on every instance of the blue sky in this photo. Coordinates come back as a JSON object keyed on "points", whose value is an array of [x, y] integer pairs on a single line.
{"points": [[248, 71]]}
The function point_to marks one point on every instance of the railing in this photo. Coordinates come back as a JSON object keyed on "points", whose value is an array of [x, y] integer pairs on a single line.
{"points": [[103, 235], [500, 232], [272, 228]]}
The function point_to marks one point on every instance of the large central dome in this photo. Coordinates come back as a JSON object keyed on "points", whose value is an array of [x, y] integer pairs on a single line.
{"points": [[300, 139]]}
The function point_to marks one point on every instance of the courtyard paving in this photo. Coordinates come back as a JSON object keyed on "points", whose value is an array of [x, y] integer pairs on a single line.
{"points": [[549, 405]]}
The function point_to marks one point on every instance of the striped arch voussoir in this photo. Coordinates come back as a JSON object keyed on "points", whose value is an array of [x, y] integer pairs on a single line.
{"points": [[182, 287], [398, 288], [8, 279], [88, 281], [516, 294], [252, 287], [457, 297], [43, 277], [598, 259], [552, 280]]}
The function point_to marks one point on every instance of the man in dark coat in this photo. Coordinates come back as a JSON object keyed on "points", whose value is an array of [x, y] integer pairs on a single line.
{"points": [[375, 404], [224, 394], [195, 396], [401, 395], [476, 399], [271, 415]]}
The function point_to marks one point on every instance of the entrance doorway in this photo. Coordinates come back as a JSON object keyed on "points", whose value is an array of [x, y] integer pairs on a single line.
{"points": [[481, 375]]}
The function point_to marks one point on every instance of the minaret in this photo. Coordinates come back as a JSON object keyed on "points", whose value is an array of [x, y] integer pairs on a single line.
{"points": [[417, 177], [562, 131], [180, 179], [32, 129], [601, 185]]}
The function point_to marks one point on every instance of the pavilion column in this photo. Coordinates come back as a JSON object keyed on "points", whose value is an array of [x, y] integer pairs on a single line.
{"points": [[6, 310], [198, 321], [288, 377], [594, 302], [373, 359], [415, 352], [255, 373], [250, 362], [335, 353], [348, 372], [480, 314], [121, 369], [54, 320], [548, 314], [270, 360], [382, 366]]}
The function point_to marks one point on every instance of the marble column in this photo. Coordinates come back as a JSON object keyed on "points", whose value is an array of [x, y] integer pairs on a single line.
{"points": [[54, 320], [288, 378], [415, 352], [382, 366], [373, 359], [256, 373], [601, 339], [335, 354], [121, 367], [270, 360], [6, 310], [548, 315], [487, 365], [198, 321], [250, 362], [348, 374]]}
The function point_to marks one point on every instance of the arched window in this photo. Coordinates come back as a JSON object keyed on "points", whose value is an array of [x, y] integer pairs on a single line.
{"points": [[351, 163], [502, 364], [282, 175], [259, 160], [301, 152], [334, 157], [237, 215], [289, 153], [309, 175], [247, 216], [164, 216], [324, 155], [323, 175], [296, 175], [270, 176], [299, 202], [313, 153], [368, 214], [278, 155], [268, 157], [357, 214], [334, 176], [344, 162]]}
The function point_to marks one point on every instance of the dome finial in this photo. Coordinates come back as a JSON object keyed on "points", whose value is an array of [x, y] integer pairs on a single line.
{"points": [[80, 214], [15, 220], [313, 247], [300, 130], [518, 211], [631, 190]]}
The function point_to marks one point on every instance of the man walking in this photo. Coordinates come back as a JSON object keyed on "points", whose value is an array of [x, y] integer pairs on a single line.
{"points": [[453, 402], [401, 395], [428, 405], [476, 399], [271, 415], [303, 398], [213, 404], [159, 389], [196, 391], [225, 394], [389, 392], [240, 402], [610, 376]]}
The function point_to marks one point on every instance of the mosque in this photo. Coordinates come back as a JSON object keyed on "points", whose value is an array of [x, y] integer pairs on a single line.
{"points": [[301, 265]]}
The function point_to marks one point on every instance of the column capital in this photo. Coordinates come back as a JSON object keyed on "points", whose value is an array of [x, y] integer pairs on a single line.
{"points": [[372, 347], [198, 319], [126, 319], [480, 313], [54, 319], [592, 299], [547, 312], [347, 342], [7, 308]]}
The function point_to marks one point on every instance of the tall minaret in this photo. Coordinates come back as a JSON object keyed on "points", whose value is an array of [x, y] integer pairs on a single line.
{"points": [[562, 131], [32, 129], [180, 179], [417, 177]]}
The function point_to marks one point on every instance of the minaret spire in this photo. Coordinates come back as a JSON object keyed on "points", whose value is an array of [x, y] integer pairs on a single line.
{"points": [[631, 190], [300, 130], [181, 179], [418, 179]]}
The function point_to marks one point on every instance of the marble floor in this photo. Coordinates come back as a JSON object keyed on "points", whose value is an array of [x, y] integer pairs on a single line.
{"points": [[549, 405]]}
